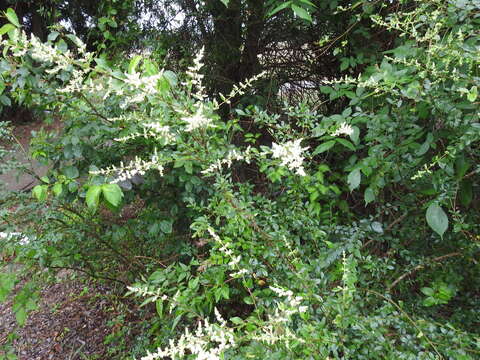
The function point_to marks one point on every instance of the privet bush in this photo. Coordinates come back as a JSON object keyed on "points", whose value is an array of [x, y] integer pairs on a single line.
{"points": [[342, 236]]}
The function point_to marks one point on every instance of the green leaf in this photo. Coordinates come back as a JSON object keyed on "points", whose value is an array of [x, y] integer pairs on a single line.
{"points": [[70, 172], [344, 64], [225, 2], [279, 8], [369, 195], [12, 17], [461, 167], [113, 194], [346, 143], [171, 78], [6, 28], [134, 63], [57, 189], [236, 320], [308, 2], [472, 94], [324, 147], [40, 192], [21, 316], [93, 196], [53, 36], [355, 135], [166, 226], [75, 40], [5, 100], [354, 179], [427, 291], [429, 301], [301, 13], [437, 219], [159, 307], [7, 284], [465, 193]]}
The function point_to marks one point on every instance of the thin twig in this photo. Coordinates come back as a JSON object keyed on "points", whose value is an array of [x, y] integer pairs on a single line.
{"points": [[421, 266]]}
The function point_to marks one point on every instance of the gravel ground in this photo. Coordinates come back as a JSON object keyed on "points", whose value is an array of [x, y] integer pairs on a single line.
{"points": [[70, 323]]}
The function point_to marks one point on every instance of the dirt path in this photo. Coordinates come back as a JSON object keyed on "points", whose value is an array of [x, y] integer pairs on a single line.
{"points": [[72, 322], [74, 318]]}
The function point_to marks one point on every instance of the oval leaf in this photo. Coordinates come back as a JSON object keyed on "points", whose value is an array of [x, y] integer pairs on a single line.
{"points": [[354, 179], [113, 194], [324, 147], [12, 17], [369, 196], [40, 192], [93, 196], [301, 13], [6, 28], [437, 219]]}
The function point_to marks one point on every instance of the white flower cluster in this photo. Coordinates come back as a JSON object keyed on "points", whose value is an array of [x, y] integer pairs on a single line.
{"points": [[290, 154], [47, 53], [75, 83], [344, 129], [234, 259], [145, 291], [197, 120], [22, 239], [151, 130], [195, 78], [232, 155], [146, 83], [135, 167], [276, 328], [239, 90], [209, 342]]}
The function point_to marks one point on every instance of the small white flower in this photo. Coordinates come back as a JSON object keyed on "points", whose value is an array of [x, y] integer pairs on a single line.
{"points": [[290, 154], [198, 120], [344, 129]]}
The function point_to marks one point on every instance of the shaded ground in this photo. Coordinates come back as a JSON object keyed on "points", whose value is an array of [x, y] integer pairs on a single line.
{"points": [[73, 319], [71, 323]]}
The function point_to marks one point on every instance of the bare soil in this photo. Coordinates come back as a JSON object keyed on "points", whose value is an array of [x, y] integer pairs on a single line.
{"points": [[74, 317], [70, 323]]}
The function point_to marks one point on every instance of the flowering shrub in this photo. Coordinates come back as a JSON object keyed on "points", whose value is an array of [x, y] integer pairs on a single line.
{"points": [[255, 248]]}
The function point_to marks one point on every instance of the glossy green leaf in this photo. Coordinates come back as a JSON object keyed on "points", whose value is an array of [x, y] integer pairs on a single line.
{"points": [[40, 192], [346, 143], [301, 13], [279, 8], [57, 189], [70, 172], [113, 194], [324, 147], [472, 94], [355, 135], [354, 179], [369, 195], [53, 36], [437, 219], [93, 196], [132, 66], [427, 291], [6, 28], [12, 17]]}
